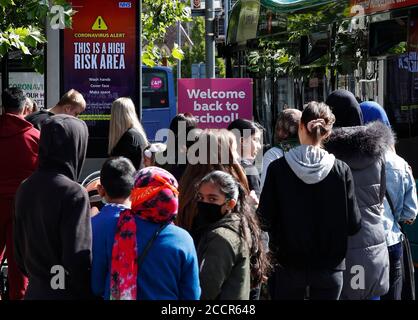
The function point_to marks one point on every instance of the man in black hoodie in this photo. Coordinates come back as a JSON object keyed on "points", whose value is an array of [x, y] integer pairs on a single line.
{"points": [[52, 235]]}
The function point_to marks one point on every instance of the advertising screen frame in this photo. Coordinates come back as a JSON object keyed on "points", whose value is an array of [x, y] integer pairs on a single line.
{"points": [[97, 146]]}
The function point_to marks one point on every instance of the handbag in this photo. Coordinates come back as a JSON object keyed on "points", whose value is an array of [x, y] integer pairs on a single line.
{"points": [[408, 275]]}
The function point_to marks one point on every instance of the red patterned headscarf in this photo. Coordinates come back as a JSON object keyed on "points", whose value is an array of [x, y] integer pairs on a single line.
{"points": [[154, 198]]}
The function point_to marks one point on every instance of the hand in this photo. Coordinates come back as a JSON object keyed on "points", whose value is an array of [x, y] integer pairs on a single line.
{"points": [[253, 199], [409, 222]]}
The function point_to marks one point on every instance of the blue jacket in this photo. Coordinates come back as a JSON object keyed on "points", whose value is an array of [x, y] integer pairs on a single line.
{"points": [[401, 188], [169, 271]]}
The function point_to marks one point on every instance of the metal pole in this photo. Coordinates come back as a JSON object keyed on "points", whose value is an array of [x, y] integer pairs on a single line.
{"points": [[140, 61], [179, 44], [210, 39], [226, 17], [4, 72]]}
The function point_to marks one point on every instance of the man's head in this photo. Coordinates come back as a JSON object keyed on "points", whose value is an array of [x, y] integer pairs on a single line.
{"points": [[13, 100], [116, 179], [63, 145], [71, 103]]}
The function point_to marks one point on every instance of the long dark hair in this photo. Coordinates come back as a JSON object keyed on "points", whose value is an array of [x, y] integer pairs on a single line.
{"points": [[229, 186], [194, 173]]}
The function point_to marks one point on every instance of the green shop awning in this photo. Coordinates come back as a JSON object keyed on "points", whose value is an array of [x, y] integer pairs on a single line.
{"points": [[250, 19]]}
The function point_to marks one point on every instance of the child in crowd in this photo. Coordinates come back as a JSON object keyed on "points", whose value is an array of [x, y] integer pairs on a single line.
{"points": [[150, 153], [231, 255]]}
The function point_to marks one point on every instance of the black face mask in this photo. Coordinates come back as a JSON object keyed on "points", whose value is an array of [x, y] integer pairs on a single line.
{"points": [[208, 213]]}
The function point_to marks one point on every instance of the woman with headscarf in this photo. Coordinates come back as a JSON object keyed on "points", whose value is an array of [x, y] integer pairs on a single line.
{"points": [[400, 202], [138, 253], [372, 111], [363, 148]]}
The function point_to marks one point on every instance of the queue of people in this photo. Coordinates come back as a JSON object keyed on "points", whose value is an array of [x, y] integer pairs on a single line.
{"points": [[329, 200]]}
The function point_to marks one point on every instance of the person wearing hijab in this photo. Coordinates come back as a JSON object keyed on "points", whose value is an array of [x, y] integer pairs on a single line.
{"points": [[52, 238], [372, 111], [363, 148], [138, 253], [345, 104], [401, 192]]}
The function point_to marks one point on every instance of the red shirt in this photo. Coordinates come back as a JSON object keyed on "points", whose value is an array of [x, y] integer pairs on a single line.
{"points": [[19, 144]]}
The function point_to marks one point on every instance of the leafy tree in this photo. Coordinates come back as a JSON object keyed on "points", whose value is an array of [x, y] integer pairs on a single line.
{"points": [[157, 17], [196, 53], [22, 27]]}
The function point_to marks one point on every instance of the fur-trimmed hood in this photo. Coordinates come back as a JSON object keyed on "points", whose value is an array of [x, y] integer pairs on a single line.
{"points": [[360, 146]]}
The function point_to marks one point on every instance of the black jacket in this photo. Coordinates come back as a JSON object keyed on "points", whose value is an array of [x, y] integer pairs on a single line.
{"points": [[130, 146], [52, 223], [38, 118], [309, 224]]}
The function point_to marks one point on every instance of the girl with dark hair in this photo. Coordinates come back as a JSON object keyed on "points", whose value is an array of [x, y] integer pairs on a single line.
{"points": [[216, 142], [230, 252], [249, 137], [286, 137], [178, 142], [309, 207]]}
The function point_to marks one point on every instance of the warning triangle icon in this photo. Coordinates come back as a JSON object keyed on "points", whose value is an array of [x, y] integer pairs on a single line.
{"points": [[99, 24]]}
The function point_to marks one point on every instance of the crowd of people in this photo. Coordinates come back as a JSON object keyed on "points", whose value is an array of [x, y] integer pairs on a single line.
{"points": [[320, 219]]}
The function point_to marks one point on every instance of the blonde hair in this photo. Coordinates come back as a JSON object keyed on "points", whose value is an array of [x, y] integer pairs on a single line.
{"points": [[72, 98], [123, 117]]}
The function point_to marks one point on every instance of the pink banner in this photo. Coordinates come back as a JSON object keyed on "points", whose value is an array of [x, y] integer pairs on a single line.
{"points": [[216, 102]]}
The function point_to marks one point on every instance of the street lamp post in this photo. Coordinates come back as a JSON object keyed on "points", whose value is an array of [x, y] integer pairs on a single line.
{"points": [[210, 39]]}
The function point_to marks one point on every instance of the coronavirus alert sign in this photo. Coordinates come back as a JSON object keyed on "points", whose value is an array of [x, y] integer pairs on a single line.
{"points": [[100, 57]]}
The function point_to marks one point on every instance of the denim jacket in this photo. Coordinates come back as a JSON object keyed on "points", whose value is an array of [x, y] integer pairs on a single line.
{"points": [[400, 186]]}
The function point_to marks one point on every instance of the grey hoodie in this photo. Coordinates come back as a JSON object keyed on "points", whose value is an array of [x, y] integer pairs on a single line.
{"points": [[311, 164]]}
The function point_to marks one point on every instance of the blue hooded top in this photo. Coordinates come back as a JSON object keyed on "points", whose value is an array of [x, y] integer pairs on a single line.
{"points": [[372, 111]]}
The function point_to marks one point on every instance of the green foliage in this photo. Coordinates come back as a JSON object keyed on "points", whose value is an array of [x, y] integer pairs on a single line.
{"points": [[196, 53], [274, 58], [23, 27], [279, 58], [399, 49], [157, 17]]}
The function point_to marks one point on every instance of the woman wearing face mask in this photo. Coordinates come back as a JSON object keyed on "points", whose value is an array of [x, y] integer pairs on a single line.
{"points": [[221, 143], [231, 256], [309, 208]]}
